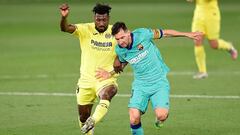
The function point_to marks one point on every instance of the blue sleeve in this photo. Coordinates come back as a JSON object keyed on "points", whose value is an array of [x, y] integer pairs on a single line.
{"points": [[150, 34]]}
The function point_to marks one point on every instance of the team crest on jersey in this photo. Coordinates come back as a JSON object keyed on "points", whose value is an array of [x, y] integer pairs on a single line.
{"points": [[108, 35], [140, 47]]}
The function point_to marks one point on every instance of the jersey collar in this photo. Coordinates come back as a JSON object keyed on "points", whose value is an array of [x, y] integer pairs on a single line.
{"points": [[130, 46]]}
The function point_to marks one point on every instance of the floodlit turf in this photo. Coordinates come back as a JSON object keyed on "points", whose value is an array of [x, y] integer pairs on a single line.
{"points": [[36, 57]]}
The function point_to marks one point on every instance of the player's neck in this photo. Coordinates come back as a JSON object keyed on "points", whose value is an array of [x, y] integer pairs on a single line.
{"points": [[129, 46]]}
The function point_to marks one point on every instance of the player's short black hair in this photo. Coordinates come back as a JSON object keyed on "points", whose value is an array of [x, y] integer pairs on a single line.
{"points": [[101, 9], [117, 26]]}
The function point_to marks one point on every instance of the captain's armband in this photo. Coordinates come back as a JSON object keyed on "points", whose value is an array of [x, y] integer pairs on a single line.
{"points": [[157, 33]]}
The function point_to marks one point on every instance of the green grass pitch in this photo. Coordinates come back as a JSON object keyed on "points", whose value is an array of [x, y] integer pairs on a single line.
{"points": [[35, 56]]}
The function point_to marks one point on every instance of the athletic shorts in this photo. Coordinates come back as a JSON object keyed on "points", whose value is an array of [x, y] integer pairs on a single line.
{"points": [[209, 25], [158, 96], [87, 96]]}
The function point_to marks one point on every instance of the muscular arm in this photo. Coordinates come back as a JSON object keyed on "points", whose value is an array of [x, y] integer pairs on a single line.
{"points": [[174, 33], [64, 25]]}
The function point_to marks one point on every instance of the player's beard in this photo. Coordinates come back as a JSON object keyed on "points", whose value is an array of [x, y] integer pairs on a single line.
{"points": [[101, 29]]}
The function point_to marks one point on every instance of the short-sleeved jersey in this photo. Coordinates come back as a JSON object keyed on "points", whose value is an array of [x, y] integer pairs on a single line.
{"points": [[97, 51], [144, 57], [206, 9]]}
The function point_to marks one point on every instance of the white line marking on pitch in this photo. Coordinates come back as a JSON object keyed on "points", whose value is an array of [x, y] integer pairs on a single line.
{"points": [[118, 95]]}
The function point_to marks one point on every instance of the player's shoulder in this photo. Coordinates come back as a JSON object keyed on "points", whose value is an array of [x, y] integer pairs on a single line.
{"points": [[142, 30], [117, 48], [85, 25], [142, 33]]}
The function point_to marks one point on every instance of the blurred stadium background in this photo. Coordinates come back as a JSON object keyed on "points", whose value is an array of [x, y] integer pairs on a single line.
{"points": [[38, 60]]}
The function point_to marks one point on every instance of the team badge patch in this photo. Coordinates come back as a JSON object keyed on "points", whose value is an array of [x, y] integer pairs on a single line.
{"points": [[108, 35], [140, 47]]}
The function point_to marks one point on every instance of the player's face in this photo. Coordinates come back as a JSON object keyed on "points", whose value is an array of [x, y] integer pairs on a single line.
{"points": [[123, 38], [101, 22]]}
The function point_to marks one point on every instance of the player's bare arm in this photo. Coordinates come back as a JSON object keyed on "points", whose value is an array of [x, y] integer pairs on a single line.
{"points": [[174, 33], [102, 74], [118, 66], [65, 27]]}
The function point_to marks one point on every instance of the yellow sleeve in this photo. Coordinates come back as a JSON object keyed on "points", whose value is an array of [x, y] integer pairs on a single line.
{"points": [[80, 30]]}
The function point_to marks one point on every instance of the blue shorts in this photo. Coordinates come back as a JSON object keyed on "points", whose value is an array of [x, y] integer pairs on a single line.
{"points": [[158, 95]]}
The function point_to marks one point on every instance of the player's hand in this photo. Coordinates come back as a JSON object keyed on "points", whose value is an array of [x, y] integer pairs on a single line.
{"points": [[102, 74], [117, 65], [198, 36], [64, 9]]}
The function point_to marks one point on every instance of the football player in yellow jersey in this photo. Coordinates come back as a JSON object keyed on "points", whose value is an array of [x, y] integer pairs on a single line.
{"points": [[97, 52], [206, 19]]}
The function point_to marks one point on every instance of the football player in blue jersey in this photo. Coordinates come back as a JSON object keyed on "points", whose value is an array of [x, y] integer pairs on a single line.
{"points": [[150, 72]]}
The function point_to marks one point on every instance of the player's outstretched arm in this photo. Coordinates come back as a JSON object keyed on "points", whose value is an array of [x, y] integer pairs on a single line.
{"points": [[174, 33], [65, 27]]}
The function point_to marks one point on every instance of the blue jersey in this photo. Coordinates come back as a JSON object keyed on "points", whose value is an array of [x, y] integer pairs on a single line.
{"points": [[144, 57]]}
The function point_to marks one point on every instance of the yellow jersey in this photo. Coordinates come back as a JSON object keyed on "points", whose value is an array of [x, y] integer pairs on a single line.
{"points": [[206, 8], [97, 51]]}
